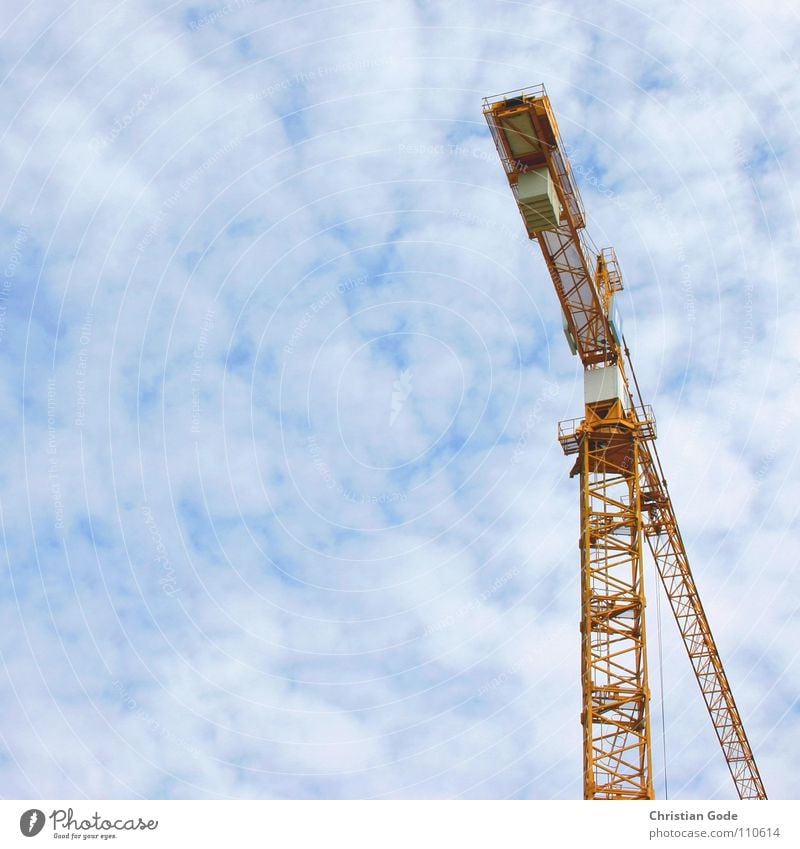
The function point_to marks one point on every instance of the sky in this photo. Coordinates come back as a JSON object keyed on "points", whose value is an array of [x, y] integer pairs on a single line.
{"points": [[282, 506]]}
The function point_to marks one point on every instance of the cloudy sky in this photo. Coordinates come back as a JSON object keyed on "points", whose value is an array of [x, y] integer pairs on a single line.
{"points": [[283, 510]]}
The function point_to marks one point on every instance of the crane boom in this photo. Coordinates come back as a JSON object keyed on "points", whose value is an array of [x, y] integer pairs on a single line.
{"points": [[666, 545], [624, 495]]}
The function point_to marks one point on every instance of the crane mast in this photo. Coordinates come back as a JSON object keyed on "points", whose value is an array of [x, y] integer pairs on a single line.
{"points": [[625, 502]]}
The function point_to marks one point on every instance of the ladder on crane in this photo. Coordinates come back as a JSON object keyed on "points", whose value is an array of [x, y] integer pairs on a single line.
{"points": [[624, 497]]}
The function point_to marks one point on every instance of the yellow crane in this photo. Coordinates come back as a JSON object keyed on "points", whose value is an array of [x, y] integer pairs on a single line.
{"points": [[624, 496]]}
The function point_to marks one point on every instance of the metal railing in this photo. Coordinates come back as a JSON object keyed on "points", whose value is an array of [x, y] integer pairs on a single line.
{"points": [[529, 93]]}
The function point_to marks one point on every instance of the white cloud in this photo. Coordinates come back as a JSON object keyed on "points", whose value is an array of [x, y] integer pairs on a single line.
{"points": [[242, 225]]}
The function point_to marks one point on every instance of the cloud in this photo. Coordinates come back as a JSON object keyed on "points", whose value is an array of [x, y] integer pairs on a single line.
{"points": [[283, 510]]}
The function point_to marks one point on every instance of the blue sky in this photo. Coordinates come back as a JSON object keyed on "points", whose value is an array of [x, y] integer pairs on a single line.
{"points": [[283, 510]]}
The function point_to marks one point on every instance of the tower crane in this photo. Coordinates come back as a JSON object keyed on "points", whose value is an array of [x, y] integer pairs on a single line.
{"points": [[624, 500]]}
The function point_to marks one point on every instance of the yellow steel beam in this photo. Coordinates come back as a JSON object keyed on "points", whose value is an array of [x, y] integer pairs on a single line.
{"points": [[615, 716], [666, 545]]}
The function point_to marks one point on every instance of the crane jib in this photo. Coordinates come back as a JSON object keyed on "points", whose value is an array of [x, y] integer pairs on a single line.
{"points": [[527, 138]]}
